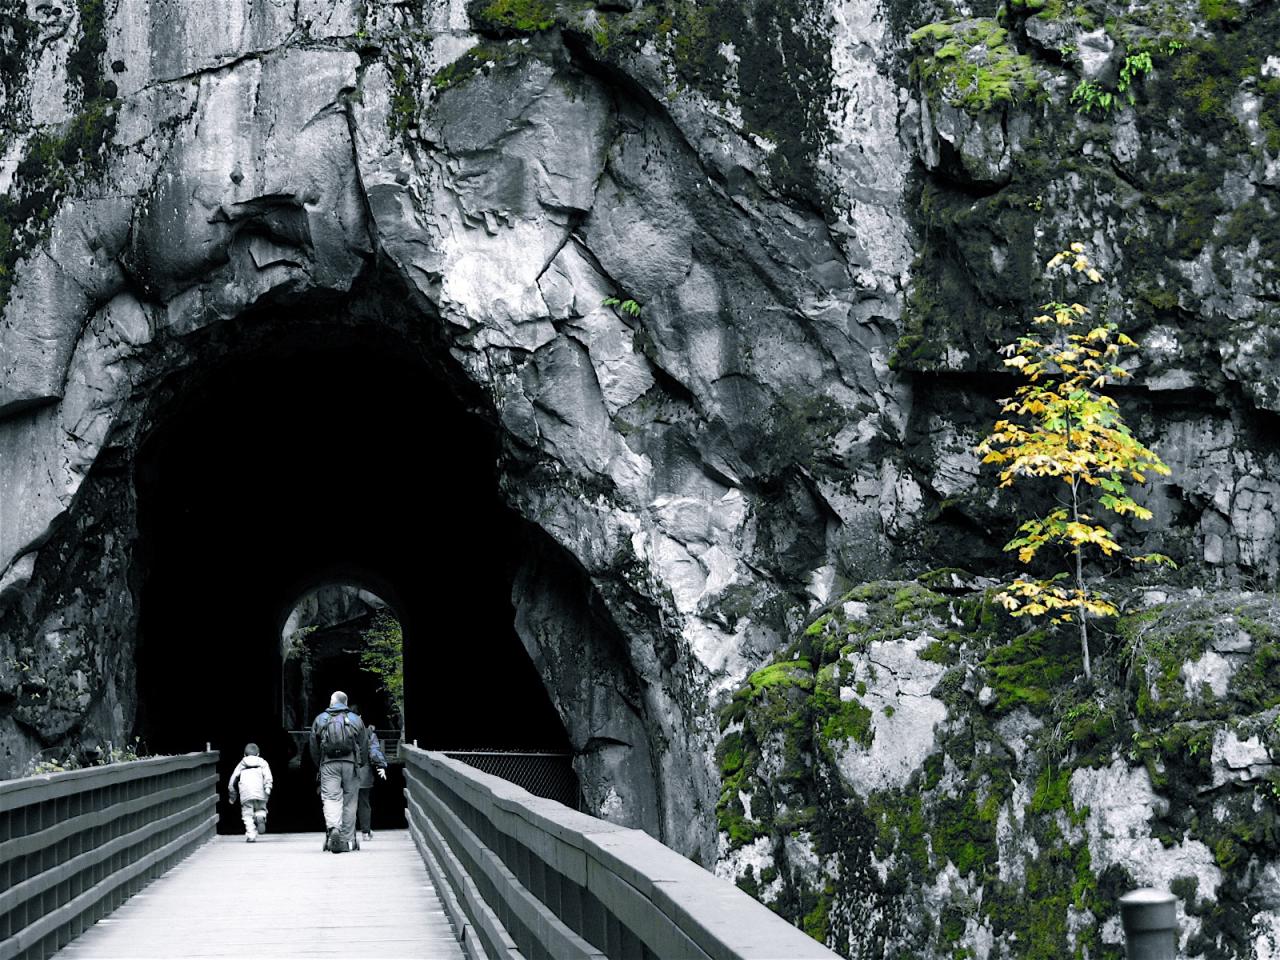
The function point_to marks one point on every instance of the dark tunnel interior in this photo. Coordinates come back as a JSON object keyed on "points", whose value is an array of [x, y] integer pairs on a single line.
{"points": [[324, 459]]}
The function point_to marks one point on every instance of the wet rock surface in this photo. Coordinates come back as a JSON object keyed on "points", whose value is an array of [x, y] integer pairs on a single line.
{"points": [[827, 214]]}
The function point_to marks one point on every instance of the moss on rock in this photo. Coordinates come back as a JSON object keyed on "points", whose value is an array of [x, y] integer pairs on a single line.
{"points": [[513, 16], [971, 64], [58, 160], [988, 838], [714, 49]]}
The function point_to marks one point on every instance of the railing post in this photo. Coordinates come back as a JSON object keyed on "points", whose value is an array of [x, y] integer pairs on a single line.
{"points": [[1150, 920]]}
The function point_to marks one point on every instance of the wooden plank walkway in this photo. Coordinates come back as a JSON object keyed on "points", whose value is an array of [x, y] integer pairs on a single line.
{"points": [[281, 897]]}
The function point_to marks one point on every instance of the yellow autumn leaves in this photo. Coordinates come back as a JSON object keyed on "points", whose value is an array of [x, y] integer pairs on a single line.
{"points": [[1060, 425], [1078, 259], [1039, 597]]}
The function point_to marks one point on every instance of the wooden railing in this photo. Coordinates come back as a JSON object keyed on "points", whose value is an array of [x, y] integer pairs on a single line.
{"points": [[521, 876], [75, 845]]}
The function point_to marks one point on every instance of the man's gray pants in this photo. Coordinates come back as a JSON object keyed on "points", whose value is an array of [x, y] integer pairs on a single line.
{"points": [[339, 793]]}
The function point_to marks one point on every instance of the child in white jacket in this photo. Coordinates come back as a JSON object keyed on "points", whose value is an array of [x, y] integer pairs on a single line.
{"points": [[252, 782]]}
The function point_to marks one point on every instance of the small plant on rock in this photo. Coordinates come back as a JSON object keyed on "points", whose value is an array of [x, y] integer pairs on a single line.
{"points": [[60, 762], [124, 753], [1089, 97], [630, 307], [1061, 426], [627, 306], [62, 759]]}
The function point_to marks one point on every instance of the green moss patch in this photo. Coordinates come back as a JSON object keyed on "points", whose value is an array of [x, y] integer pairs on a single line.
{"points": [[850, 721], [788, 673], [513, 16], [1032, 669], [971, 64], [19, 33], [1221, 13], [84, 65], [58, 160], [479, 58], [1161, 641], [780, 52], [1041, 894]]}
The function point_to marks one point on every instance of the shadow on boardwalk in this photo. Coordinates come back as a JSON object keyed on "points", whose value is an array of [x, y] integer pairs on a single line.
{"points": [[281, 897]]}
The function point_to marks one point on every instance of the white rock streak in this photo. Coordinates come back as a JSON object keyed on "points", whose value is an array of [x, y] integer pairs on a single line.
{"points": [[1121, 805], [904, 716]]}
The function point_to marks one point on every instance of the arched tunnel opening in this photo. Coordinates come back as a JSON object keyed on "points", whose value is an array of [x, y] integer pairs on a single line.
{"points": [[341, 636], [329, 456]]}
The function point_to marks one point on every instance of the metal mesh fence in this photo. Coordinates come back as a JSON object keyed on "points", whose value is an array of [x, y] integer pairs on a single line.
{"points": [[549, 775]]}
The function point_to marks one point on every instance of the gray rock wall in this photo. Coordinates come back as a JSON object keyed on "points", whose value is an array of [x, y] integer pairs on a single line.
{"points": [[825, 245], [912, 776], [286, 153]]}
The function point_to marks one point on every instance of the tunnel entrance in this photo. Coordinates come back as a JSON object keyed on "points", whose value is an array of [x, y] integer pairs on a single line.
{"points": [[327, 455]]}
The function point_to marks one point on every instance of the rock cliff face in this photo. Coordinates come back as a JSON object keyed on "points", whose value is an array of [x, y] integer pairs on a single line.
{"points": [[911, 778], [827, 214]]}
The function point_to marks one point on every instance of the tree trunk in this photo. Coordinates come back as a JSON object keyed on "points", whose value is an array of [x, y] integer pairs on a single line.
{"points": [[1082, 613], [1083, 617]]}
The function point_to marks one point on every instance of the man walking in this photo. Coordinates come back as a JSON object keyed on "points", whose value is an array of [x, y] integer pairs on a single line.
{"points": [[339, 745]]}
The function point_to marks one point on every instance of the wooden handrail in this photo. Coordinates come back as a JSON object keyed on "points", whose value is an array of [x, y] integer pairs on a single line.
{"points": [[32, 842], [34, 886], [33, 933], [138, 817], [562, 883], [48, 786]]}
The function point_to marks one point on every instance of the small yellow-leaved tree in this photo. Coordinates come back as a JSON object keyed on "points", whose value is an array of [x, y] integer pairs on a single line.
{"points": [[1061, 425]]}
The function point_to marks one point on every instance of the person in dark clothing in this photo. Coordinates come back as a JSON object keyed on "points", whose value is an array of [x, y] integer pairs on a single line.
{"points": [[339, 745], [375, 763]]}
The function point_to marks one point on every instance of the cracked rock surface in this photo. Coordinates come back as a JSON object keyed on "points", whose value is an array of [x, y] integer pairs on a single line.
{"points": [[825, 238]]}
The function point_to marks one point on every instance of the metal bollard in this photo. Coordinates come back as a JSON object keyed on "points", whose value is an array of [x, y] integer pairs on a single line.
{"points": [[1150, 920]]}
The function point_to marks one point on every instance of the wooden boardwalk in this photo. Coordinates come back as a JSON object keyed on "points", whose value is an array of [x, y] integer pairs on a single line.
{"points": [[281, 897]]}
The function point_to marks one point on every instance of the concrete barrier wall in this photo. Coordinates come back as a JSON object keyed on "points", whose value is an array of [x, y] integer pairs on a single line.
{"points": [[75, 845], [527, 877]]}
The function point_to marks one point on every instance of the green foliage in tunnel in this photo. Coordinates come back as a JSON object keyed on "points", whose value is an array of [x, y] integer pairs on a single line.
{"points": [[383, 656]]}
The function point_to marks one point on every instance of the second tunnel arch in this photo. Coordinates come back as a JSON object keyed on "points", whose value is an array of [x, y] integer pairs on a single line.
{"points": [[322, 649]]}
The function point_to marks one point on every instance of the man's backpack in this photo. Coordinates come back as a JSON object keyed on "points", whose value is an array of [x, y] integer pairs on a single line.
{"points": [[338, 738]]}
